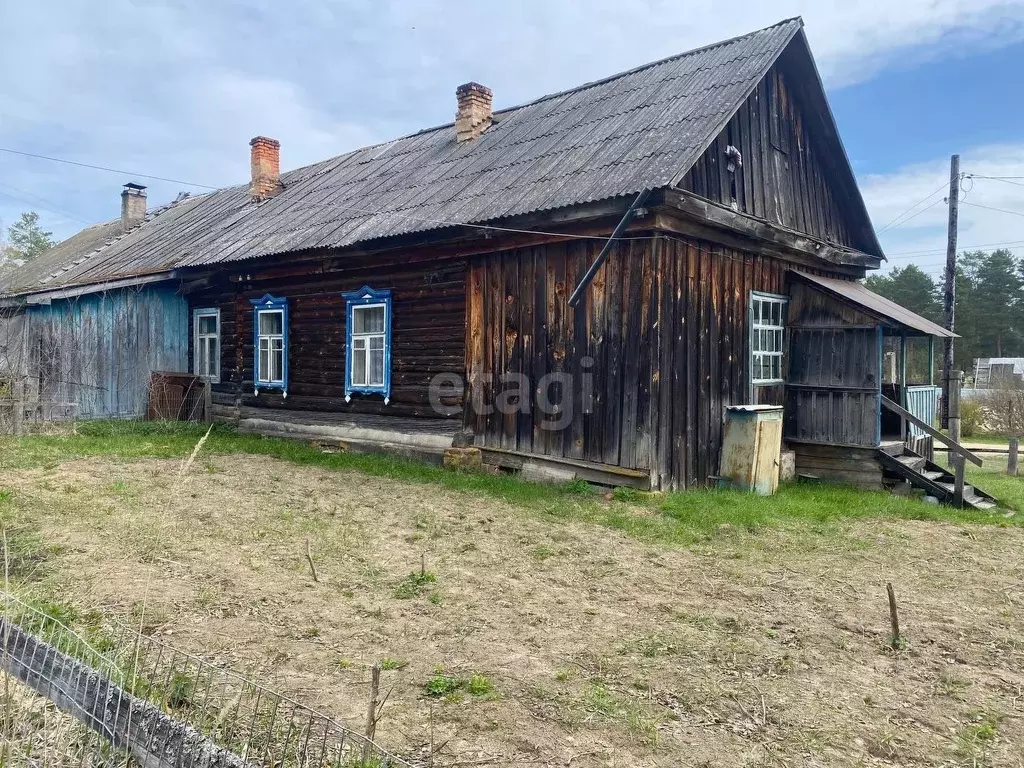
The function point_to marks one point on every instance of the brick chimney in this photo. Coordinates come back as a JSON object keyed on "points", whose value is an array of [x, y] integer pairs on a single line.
{"points": [[133, 205], [266, 168], [474, 115]]}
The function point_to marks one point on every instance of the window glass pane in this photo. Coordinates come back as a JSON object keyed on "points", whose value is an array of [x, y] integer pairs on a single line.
{"points": [[756, 311], [368, 320], [775, 313], [277, 365], [264, 363], [212, 361], [207, 325], [358, 365], [376, 342], [376, 377], [277, 344], [271, 323], [359, 343], [755, 341]]}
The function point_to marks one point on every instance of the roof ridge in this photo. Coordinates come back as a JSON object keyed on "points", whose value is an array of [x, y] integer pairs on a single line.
{"points": [[648, 65], [155, 213], [556, 94]]}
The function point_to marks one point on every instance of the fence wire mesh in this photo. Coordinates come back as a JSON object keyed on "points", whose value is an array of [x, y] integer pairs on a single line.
{"points": [[126, 699]]}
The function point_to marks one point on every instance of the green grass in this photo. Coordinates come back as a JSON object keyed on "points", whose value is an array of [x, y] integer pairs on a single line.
{"points": [[681, 519]]}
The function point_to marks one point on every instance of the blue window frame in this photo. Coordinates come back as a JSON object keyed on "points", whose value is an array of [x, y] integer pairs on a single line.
{"points": [[270, 343], [368, 343]]}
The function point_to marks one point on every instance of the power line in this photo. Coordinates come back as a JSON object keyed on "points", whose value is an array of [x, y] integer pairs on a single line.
{"points": [[915, 205], [911, 218], [990, 208], [1004, 179], [104, 168], [943, 250], [44, 203]]}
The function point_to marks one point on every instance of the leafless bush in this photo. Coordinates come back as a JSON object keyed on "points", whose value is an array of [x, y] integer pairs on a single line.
{"points": [[1003, 408]]}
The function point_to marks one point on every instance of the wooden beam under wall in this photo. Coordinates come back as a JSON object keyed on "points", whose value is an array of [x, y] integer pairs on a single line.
{"points": [[787, 244]]}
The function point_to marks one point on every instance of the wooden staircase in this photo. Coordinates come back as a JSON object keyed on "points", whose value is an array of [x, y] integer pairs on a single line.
{"points": [[902, 464], [948, 487]]}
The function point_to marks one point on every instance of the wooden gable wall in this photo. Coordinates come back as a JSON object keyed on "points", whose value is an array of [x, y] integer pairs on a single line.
{"points": [[783, 177]]}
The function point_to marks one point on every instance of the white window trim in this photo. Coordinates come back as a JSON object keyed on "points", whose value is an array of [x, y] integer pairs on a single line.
{"points": [[756, 326], [382, 335], [270, 337], [196, 336]]}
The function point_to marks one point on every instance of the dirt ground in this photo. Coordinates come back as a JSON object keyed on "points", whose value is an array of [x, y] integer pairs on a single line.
{"points": [[764, 648]]}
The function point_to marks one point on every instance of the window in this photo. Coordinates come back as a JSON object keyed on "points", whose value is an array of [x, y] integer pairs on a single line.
{"points": [[767, 328], [271, 344], [368, 358], [206, 344]]}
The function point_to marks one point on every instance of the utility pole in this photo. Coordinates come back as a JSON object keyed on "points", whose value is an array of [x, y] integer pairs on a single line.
{"points": [[949, 288]]}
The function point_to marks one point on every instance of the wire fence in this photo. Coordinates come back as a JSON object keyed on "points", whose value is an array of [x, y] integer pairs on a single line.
{"points": [[126, 699]]}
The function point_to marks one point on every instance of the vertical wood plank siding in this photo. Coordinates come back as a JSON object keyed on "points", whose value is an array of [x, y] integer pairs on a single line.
{"points": [[783, 177], [832, 390], [98, 350], [428, 333], [661, 342]]}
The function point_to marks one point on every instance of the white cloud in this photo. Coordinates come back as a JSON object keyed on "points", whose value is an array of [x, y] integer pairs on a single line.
{"points": [[177, 88], [920, 236]]}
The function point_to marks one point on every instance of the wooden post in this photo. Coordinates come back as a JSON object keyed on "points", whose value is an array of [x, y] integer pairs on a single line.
{"points": [[371, 713], [894, 617], [904, 431], [1011, 460], [953, 413], [931, 360], [958, 481], [208, 402], [949, 285]]}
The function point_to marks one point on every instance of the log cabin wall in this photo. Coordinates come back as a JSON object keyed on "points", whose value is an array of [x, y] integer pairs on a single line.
{"points": [[428, 332], [782, 177], [663, 334]]}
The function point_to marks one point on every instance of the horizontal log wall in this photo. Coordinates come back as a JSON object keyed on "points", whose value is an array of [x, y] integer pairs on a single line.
{"points": [[663, 334], [428, 333]]}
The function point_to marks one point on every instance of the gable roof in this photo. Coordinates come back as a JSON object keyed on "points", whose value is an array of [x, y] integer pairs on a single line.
{"points": [[615, 137]]}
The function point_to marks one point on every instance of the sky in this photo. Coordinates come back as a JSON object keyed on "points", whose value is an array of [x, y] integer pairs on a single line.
{"points": [[177, 89]]}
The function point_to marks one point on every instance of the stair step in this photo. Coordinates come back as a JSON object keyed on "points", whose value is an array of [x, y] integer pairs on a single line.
{"points": [[933, 475], [985, 504], [913, 462]]}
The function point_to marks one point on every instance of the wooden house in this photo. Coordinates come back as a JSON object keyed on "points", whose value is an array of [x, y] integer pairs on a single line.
{"points": [[578, 286]]}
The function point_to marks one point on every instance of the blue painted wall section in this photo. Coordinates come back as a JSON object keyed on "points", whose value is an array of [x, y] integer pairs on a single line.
{"points": [[99, 350]]}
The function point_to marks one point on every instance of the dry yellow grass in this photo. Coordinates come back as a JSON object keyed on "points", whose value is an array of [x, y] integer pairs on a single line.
{"points": [[602, 650]]}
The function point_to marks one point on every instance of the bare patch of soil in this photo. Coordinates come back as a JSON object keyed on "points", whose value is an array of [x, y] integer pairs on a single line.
{"points": [[753, 649]]}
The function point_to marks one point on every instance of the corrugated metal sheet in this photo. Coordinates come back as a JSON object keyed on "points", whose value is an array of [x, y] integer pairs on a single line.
{"points": [[637, 130], [878, 305], [923, 402]]}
